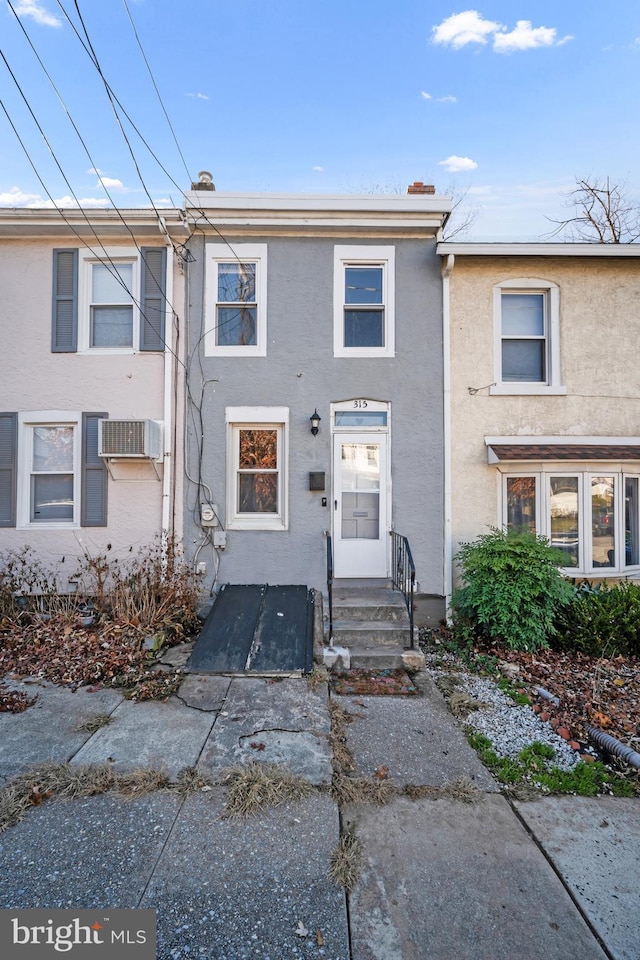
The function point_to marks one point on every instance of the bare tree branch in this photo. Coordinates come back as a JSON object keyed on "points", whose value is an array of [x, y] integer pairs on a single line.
{"points": [[602, 213]]}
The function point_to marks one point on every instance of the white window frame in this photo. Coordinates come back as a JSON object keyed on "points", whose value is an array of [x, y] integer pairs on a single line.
{"points": [[584, 472], [87, 259], [552, 385], [26, 423], [248, 418], [364, 256], [216, 253]]}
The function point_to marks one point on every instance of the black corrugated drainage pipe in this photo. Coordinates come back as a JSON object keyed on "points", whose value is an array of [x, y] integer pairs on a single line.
{"points": [[614, 746]]}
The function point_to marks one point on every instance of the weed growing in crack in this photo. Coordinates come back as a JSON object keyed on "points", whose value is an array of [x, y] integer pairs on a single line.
{"points": [[92, 724], [345, 863], [260, 785], [65, 781], [361, 790]]}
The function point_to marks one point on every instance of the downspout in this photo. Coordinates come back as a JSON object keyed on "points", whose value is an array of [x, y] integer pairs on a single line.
{"points": [[167, 473], [447, 268]]}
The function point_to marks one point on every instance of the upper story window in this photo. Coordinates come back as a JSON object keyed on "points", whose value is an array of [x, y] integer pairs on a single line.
{"points": [[111, 300], [364, 307], [111, 307], [236, 300], [527, 338]]}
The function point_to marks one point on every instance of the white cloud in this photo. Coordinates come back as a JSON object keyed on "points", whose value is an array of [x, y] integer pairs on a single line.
{"points": [[455, 164], [109, 182], [35, 10], [198, 96], [461, 29], [15, 197], [527, 37], [425, 96], [447, 99], [318, 169]]}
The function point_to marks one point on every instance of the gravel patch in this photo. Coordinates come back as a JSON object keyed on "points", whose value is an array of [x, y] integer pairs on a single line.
{"points": [[511, 726]]}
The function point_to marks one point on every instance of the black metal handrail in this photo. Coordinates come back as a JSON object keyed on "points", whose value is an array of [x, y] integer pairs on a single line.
{"points": [[330, 584], [403, 573]]}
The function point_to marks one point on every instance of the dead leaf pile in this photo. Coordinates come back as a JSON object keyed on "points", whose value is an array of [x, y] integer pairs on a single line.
{"points": [[13, 702], [602, 692], [73, 655]]}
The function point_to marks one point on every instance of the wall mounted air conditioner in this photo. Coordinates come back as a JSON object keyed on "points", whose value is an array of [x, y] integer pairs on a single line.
{"points": [[141, 439]]}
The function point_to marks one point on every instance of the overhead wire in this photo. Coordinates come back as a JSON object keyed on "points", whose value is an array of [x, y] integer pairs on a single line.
{"points": [[109, 262]]}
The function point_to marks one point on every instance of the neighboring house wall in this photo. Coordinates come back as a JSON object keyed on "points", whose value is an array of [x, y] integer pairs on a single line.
{"points": [[594, 395], [114, 511], [300, 374]]}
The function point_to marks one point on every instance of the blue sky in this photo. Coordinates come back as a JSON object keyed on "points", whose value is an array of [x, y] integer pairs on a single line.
{"points": [[510, 101]]}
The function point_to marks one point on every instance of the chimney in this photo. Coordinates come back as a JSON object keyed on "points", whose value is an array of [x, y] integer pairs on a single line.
{"points": [[419, 187], [205, 181]]}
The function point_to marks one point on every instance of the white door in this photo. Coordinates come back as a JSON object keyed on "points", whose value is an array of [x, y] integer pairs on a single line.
{"points": [[360, 522]]}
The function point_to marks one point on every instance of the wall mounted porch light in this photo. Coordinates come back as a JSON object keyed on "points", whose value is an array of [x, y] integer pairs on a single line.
{"points": [[315, 419]]}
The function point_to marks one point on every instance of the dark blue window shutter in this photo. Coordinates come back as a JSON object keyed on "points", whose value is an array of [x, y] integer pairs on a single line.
{"points": [[8, 468], [153, 299], [64, 327], [94, 474]]}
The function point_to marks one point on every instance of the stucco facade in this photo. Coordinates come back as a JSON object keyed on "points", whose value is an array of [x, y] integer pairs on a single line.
{"points": [[299, 373], [594, 395], [48, 388]]}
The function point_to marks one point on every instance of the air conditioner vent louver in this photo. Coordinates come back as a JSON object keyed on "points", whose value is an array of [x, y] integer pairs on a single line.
{"points": [[129, 438]]}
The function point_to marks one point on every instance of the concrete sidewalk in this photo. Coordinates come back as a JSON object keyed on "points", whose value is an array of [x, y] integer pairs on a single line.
{"points": [[441, 879]]}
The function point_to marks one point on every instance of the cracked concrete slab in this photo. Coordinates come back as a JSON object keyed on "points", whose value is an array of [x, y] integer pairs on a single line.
{"points": [[594, 843], [207, 693], [231, 889], [168, 736], [416, 738], [448, 880], [49, 729], [287, 718]]}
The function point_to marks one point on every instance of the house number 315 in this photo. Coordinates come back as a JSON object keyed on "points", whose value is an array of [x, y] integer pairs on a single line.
{"points": [[360, 404]]}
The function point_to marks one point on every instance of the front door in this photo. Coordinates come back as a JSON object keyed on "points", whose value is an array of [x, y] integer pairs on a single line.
{"points": [[360, 515]]}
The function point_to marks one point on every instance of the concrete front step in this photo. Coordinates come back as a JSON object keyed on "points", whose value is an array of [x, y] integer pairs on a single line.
{"points": [[374, 633], [356, 610], [355, 600], [363, 657]]}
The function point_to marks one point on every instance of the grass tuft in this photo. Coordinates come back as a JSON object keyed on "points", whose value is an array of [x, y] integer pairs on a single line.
{"points": [[345, 863], [361, 790], [92, 724], [191, 780], [260, 785], [65, 781]]}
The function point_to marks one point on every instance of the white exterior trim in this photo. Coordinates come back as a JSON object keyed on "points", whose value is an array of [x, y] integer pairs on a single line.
{"points": [[345, 255], [238, 418], [216, 253], [88, 256], [46, 418], [539, 249], [553, 383]]}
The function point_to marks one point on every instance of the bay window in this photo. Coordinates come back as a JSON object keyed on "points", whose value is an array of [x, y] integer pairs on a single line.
{"points": [[591, 516]]}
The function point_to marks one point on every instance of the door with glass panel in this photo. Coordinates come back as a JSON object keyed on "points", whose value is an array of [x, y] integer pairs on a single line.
{"points": [[361, 528]]}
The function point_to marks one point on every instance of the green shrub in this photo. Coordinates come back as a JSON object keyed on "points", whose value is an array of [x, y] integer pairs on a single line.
{"points": [[512, 589], [601, 621]]}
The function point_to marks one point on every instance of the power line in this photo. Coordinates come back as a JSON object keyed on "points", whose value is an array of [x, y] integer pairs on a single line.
{"points": [[155, 87]]}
